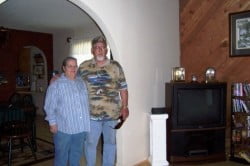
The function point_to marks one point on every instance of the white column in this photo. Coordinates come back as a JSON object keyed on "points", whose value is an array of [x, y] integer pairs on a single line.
{"points": [[158, 140]]}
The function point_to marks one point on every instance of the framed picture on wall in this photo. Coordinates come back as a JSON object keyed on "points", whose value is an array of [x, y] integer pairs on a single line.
{"points": [[239, 37]]}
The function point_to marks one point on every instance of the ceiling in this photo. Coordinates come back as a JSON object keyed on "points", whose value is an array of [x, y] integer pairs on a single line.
{"points": [[43, 15]]}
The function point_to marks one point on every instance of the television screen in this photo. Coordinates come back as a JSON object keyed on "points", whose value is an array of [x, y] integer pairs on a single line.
{"points": [[199, 107]]}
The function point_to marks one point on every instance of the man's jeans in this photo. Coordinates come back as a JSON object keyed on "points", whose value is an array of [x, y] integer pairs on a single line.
{"points": [[68, 148], [109, 146]]}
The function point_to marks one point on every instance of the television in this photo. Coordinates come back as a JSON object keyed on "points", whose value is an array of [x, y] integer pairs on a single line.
{"points": [[197, 105]]}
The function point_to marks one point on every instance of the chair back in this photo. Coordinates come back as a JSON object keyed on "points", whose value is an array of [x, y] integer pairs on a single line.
{"points": [[29, 109], [19, 123], [21, 110], [28, 100], [15, 100], [13, 114]]}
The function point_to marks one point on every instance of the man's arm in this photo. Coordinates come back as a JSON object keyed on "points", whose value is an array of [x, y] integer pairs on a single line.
{"points": [[124, 109]]}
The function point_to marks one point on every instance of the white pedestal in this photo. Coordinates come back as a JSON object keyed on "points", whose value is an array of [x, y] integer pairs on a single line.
{"points": [[158, 140]]}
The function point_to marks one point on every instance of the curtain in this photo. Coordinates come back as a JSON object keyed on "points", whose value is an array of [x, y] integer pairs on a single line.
{"points": [[81, 50]]}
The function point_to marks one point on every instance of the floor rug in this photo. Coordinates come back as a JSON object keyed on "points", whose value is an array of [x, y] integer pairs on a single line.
{"points": [[45, 151]]}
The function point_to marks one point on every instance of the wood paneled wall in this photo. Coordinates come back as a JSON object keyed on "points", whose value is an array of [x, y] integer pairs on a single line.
{"points": [[204, 37], [10, 52]]}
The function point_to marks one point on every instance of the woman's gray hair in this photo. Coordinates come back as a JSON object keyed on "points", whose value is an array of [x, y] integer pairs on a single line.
{"points": [[65, 61], [99, 39]]}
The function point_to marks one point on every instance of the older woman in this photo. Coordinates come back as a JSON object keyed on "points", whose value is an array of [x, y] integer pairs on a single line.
{"points": [[67, 111]]}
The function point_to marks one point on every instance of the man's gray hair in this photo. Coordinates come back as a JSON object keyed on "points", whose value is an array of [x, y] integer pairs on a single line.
{"points": [[99, 39]]}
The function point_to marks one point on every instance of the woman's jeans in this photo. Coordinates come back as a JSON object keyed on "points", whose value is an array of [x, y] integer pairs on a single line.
{"points": [[109, 142], [68, 148]]}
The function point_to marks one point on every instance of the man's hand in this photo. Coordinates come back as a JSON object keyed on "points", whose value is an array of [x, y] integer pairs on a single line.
{"points": [[53, 129], [55, 77], [124, 109], [124, 113]]}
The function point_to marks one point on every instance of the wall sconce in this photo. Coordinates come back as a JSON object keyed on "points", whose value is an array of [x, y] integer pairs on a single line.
{"points": [[69, 39], [178, 74]]}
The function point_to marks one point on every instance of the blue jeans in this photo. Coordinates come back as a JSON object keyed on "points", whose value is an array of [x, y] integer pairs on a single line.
{"points": [[109, 142], [68, 148]]}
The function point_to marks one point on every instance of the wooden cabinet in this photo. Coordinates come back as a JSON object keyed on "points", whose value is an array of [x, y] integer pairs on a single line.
{"points": [[33, 76], [24, 60], [240, 140], [32, 70], [10, 60]]}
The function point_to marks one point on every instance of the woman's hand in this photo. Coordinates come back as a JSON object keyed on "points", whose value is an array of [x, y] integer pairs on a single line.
{"points": [[53, 129]]}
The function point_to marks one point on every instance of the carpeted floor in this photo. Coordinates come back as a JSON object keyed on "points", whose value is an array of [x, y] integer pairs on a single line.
{"points": [[45, 151]]}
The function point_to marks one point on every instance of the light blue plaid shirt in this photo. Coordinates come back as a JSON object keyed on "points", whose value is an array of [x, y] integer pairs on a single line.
{"points": [[67, 105]]}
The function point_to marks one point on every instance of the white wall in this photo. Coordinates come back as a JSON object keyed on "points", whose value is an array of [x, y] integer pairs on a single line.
{"points": [[144, 38], [60, 48]]}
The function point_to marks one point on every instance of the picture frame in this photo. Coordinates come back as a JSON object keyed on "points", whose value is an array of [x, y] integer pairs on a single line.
{"points": [[239, 37]]}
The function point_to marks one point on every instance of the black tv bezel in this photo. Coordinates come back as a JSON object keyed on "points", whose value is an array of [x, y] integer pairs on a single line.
{"points": [[222, 88]]}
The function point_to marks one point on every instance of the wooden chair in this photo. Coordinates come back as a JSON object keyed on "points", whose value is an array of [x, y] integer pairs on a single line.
{"points": [[15, 100], [30, 109], [17, 127]]}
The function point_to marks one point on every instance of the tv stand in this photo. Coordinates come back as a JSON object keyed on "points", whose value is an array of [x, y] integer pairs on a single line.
{"points": [[198, 158], [197, 145], [189, 139]]}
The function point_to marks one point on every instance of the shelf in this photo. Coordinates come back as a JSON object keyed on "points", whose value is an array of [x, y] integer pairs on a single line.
{"points": [[240, 113], [238, 160], [241, 97], [194, 159], [39, 64], [30, 92], [240, 124], [199, 129], [22, 88], [241, 146]]}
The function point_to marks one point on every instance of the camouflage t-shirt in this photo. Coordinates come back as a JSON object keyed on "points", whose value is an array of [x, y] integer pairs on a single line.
{"points": [[104, 84]]}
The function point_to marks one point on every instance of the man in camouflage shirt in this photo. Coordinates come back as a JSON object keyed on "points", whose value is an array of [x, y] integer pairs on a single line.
{"points": [[108, 97]]}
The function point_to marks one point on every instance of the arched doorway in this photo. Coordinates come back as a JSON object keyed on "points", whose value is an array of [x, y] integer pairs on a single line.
{"points": [[33, 74], [61, 38]]}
